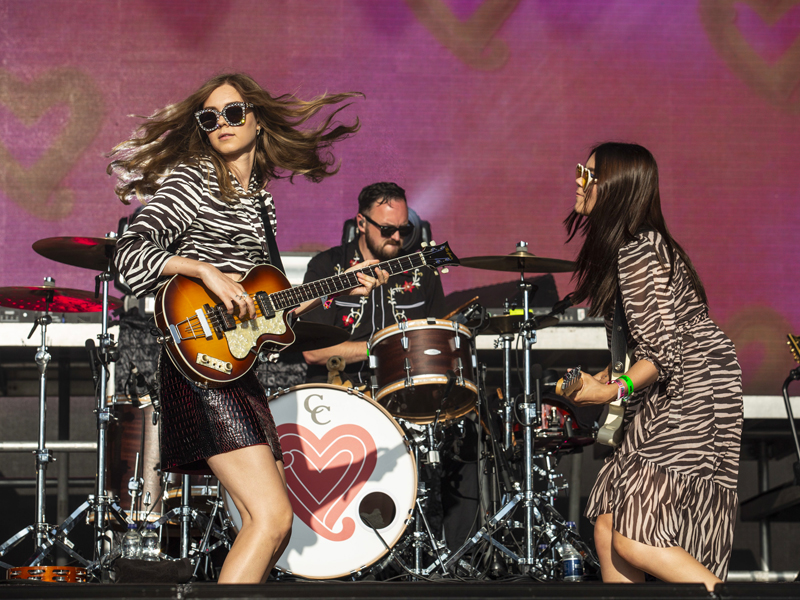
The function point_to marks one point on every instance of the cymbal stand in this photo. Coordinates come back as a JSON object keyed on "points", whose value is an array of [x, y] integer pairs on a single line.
{"points": [[43, 456], [107, 353], [531, 413]]}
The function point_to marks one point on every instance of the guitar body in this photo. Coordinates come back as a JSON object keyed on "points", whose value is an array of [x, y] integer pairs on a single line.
{"points": [[224, 356], [610, 432]]}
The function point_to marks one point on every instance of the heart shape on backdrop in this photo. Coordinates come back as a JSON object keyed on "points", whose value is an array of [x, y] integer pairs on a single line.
{"points": [[37, 189], [777, 82], [472, 41], [325, 475]]}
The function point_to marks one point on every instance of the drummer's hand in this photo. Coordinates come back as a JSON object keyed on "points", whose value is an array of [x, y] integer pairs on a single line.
{"points": [[594, 392], [368, 282]]}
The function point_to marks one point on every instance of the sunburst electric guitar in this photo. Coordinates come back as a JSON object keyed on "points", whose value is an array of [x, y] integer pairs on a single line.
{"points": [[213, 348]]}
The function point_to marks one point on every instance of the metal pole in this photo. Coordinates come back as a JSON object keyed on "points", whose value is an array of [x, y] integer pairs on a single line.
{"points": [[62, 503], [42, 453], [186, 496], [763, 524], [507, 339]]}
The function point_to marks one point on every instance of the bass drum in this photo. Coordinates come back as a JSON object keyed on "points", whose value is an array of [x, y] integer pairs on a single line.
{"points": [[348, 468]]}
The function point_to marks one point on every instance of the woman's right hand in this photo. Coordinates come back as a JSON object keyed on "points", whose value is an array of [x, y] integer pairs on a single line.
{"points": [[227, 288], [224, 286]]}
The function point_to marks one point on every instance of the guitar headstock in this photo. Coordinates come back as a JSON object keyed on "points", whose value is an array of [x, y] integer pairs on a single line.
{"points": [[439, 255], [794, 346], [570, 383]]}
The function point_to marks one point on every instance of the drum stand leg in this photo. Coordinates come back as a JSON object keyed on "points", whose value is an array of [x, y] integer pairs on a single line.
{"points": [[40, 529], [204, 550], [186, 514]]}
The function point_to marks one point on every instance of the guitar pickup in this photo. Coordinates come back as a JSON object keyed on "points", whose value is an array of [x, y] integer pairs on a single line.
{"points": [[222, 321], [263, 302]]}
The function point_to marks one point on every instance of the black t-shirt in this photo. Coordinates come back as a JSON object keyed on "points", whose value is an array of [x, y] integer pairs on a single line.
{"points": [[414, 294]]}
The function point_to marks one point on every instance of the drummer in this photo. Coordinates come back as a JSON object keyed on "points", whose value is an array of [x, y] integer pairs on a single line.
{"points": [[382, 223]]}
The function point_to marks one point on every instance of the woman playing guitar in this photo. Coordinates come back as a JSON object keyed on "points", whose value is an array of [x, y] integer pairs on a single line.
{"points": [[665, 501], [204, 165]]}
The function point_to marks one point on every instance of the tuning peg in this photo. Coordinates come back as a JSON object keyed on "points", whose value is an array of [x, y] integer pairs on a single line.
{"points": [[445, 270], [424, 244], [432, 243]]}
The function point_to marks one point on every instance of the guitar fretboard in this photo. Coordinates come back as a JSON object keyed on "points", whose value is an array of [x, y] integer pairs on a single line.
{"points": [[339, 283]]}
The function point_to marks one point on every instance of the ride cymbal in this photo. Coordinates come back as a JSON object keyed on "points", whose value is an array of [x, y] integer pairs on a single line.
{"points": [[57, 300], [502, 324], [85, 252]]}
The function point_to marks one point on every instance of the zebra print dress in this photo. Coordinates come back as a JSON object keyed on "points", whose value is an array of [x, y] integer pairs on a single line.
{"points": [[188, 217], [672, 481]]}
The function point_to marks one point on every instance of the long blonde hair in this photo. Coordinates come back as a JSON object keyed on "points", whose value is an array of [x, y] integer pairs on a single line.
{"points": [[171, 136]]}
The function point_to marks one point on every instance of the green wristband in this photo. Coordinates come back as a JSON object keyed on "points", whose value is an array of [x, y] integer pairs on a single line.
{"points": [[628, 383]]}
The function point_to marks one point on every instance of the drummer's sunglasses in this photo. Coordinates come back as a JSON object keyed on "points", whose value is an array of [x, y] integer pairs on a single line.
{"points": [[234, 114], [585, 175], [387, 231]]}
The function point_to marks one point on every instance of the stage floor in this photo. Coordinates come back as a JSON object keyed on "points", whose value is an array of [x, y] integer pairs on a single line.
{"points": [[416, 591]]}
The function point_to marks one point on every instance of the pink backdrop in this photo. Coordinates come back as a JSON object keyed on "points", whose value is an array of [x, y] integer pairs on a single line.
{"points": [[480, 109]]}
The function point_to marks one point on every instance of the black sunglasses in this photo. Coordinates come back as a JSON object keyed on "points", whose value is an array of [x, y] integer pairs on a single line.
{"points": [[234, 114], [388, 230]]}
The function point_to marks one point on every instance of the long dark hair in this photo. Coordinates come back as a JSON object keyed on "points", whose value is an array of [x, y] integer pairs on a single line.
{"points": [[172, 136], [626, 181]]}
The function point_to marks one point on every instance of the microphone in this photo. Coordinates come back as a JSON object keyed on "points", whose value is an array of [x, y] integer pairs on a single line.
{"points": [[90, 349]]}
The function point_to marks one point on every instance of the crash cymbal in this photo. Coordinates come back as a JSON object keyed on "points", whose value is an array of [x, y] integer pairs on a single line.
{"points": [[313, 336], [56, 300], [521, 261], [86, 252], [502, 324]]}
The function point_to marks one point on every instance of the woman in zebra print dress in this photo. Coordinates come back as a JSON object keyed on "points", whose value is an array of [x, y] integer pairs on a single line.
{"points": [[665, 501], [204, 164]]}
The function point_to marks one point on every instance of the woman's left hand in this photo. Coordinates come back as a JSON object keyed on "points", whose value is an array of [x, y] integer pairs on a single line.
{"points": [[594, 392], [368, 282]]}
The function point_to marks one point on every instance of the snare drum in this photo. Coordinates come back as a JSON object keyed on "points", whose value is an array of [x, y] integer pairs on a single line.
{"points": [[347, 464], [411, 361]]}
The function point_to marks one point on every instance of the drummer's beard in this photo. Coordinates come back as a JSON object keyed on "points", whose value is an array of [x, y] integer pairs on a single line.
{"points": [[383, 248]]}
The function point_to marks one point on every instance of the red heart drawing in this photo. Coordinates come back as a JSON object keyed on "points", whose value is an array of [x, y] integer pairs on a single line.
{"points": [[778, 82], [325, 475], [38, 189], [472, 41]]}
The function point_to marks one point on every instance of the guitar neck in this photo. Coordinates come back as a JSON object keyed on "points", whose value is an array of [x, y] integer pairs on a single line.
{"points": [[294, 296]]}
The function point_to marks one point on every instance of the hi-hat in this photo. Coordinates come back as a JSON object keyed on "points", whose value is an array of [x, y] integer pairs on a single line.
{"points": [[57, 300], [521, 261], [86, 252], [313, 336], [502, 324]]}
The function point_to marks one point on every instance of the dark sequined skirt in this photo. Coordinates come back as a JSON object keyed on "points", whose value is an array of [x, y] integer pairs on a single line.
{"points": [[198, 423]]}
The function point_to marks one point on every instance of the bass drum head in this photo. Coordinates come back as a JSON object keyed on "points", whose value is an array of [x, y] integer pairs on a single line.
{"points": [[347, 464]]}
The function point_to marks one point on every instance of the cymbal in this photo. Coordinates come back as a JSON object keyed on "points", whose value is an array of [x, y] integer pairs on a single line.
{"points": [[56, 300], [313, 336], [522, 261], [86, 252], [502, 324]]}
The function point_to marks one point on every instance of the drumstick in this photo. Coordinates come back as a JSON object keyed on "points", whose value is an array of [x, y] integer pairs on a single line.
{"points": [[460, 308]]}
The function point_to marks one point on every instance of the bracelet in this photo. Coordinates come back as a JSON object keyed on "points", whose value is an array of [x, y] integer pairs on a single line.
{"points": [[628, 383], [622, 389]]}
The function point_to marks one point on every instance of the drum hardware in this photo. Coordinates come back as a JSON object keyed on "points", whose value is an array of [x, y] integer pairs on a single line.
{"points": [[409, 361], [47, 298], [95, 254], [204, 550]]}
